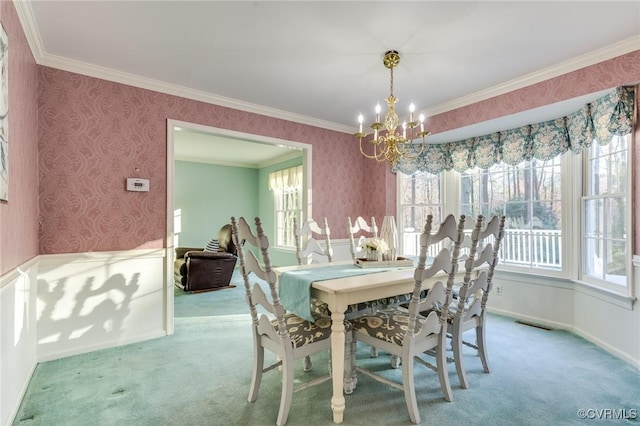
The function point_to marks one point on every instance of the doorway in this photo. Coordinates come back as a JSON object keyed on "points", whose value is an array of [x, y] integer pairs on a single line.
{"points": [[225, 147]]}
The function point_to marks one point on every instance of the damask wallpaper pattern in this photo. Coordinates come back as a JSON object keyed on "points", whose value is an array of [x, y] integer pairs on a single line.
{"points": [[94, 133]]}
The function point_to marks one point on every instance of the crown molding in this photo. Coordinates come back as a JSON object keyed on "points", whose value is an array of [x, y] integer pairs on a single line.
{"points": [[25, 14], [28, 22], [115, 76], [609, 52]]}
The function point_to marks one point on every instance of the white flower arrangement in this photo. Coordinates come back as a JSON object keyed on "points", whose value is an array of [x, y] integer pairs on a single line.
{"points": [[375, 244]]}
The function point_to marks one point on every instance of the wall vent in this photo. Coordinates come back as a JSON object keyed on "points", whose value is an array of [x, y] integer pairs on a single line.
{"points": [[531, 324]]}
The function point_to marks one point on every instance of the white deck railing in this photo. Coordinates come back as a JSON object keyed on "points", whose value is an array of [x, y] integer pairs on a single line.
{"points": [[524, 247]]}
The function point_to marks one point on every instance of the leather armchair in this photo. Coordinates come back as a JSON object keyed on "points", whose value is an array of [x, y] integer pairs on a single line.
{"points": [[197, 270]]}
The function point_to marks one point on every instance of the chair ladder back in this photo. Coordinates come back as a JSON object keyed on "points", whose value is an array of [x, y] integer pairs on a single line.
{"points": [[445, 261], [432, 303], [296, 239], [361, 227], [458, 237], [489, 238], [327, 241], [496, 225], [475, 306], [240, 230], [250, 264], [469, 265], [420, 274], [307, 245]]}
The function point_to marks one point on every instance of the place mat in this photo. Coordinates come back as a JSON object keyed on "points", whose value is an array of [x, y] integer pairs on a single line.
{"points": [[295, 286]]}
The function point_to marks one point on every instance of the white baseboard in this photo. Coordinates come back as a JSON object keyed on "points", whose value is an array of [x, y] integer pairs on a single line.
{"points": [[611, 349], [96, 347], [535, 320]]}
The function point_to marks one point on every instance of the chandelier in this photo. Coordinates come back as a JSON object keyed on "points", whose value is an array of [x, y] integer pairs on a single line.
{"points": [[389, 143]]}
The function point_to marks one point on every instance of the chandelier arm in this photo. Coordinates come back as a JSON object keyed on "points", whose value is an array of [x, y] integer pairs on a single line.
{"points": [[375, 155], [382, 154], [405, 151]]}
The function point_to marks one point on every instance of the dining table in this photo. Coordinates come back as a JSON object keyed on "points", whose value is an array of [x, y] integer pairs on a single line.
{"points": [[338, 292]]}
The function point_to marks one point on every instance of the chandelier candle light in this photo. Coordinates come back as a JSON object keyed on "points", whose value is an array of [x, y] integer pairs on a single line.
{"points": [[387, 143]]}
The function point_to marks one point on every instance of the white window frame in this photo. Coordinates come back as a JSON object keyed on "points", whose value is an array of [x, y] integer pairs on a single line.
{"points": [[450, 193], [622, 289], [414, 237], [572, 220]]}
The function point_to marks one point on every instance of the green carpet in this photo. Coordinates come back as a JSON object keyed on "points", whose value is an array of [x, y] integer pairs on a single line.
{"points": [[200, 376]]}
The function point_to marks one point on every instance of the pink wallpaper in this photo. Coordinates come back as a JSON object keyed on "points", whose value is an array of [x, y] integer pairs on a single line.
{"points": [[19, 216], [615, 72], [93, 134]]}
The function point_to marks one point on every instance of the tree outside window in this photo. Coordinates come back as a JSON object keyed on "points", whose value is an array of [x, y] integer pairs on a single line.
{"points": [[605, 232]]}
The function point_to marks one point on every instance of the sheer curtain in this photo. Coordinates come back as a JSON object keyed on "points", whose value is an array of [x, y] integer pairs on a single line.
{"points": [[285, 179]]}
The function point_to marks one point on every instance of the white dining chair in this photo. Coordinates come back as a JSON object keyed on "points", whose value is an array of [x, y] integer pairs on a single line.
{"points": [[407, 334], [468, 313], [288, 336]]}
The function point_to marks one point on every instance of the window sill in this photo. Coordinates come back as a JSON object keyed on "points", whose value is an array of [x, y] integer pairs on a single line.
{"points": [[605, 295]]}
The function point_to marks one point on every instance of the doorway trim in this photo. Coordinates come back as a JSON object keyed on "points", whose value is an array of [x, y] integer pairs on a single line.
{"points": [[169, 235]]}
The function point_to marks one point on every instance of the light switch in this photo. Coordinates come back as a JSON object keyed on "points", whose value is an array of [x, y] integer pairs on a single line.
{"points": [[136, 184]]}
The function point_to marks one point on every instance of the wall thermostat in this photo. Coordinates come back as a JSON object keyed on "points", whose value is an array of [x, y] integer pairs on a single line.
{"points": [[136, 184]]}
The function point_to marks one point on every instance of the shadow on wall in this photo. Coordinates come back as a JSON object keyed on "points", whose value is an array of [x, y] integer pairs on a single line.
{"points": [[94, 315]]}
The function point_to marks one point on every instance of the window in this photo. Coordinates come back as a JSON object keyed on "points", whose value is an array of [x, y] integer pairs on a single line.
{"points": [[529, 195], [419, 197], [605, 213], [535, 196], [287, 189], [177, 226]]}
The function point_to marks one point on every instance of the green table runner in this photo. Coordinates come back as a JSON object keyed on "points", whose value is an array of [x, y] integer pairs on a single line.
{"points": [[295, 286]]}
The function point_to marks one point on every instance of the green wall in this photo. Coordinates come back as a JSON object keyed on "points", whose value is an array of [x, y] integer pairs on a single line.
{"points": [[208, 195]]}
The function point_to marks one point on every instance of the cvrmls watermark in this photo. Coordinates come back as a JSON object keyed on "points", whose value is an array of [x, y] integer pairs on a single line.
{"points": [[608, 413]]}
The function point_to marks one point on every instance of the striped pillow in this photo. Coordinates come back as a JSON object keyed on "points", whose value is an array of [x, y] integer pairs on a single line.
{"points": [[212, 246]]}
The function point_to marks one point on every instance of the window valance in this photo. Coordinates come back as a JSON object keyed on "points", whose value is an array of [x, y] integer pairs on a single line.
{"points": [[600, 120], [284, 179]]}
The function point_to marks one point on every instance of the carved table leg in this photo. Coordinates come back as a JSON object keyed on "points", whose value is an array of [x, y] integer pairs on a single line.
{"points": [[337, 364]]}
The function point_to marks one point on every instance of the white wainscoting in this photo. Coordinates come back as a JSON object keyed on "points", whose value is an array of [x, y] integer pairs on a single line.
{"points": [[91, 301], [340, 250], [18, 340], [611, 322]]}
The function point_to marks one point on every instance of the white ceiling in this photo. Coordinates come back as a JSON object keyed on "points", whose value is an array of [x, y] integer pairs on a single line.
{"points": [[320, 62], [200, 146]]}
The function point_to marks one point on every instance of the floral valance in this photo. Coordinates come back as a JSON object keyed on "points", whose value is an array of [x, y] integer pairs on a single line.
{"points": [[600, 120], [285, 179]]}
